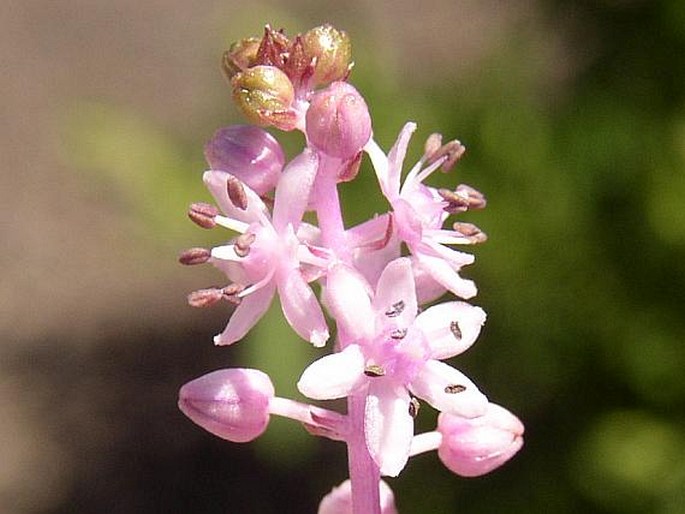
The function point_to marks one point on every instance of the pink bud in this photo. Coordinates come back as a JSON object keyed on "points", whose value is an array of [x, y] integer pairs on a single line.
{"points": [[338, 121], [339, 500], [474, 447], [248, 153], [230, 403]]}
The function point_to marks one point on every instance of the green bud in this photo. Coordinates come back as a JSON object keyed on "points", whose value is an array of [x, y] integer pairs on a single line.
{"points": [[241, 55], [332, 50], [264, 94]]}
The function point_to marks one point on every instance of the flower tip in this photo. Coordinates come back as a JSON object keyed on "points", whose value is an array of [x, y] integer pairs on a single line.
{"points": [[230, 403]]}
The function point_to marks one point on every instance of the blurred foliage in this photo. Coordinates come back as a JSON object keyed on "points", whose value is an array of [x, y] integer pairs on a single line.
{"points": [[584, 273]]}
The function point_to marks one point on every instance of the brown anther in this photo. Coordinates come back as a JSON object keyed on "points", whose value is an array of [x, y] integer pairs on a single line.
{"points": [[236, 192], [205, 297], [433, 144], [194, 256], [398, 333], [470, 232], [203, 214], [230, 293], [242, 244], [455, 388], [476, 199], [456, 331], [374, 371], [395, 310], [414, 406], [455, 203]]}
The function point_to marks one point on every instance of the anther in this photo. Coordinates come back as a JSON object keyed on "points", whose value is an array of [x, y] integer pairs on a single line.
{"points": [[203, 214], [398, 333], [194, 256], [395, 310], [456, 331], [470, 232], [205, 297], [242, 244], [230, 293], [455, 202], [374, 370], [433, 144], [451, 152], [475, 199], [236, 192], [414, 407], [455, 388]]}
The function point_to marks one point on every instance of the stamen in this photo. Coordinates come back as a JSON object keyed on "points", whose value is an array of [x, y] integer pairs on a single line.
{"points": [[455, 202], [205, 297], [236, 192], [242, 244], [456, 331], [374, 370], [395, 310], [194, 256], [471, 232], [398, 333], [449, 153], [203, 214], [433, 144], [414, 407], [455, 388]]}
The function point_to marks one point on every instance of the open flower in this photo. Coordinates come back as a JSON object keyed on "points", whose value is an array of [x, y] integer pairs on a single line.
{"points": [[395, 355], [267, 255], [419, 212]]}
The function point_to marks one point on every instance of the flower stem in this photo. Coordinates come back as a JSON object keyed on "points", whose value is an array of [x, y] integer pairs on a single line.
{"points": [[364, 473], [328, 208]]}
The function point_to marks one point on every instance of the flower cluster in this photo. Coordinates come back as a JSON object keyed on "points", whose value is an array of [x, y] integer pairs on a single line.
{"points": [[389, 354]]}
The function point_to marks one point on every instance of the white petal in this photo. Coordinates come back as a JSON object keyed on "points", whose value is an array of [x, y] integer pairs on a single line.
{"points": [[388, 426], [395, 299], [348, 299], [443, 273], [440, 385], [292, 191], [333, 376], [450, 328]]}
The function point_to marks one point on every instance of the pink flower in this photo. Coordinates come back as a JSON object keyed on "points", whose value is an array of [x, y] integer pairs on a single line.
{"points": [[419, 212], [474, 447], [269, 256], [395, 354], [339, 500]]}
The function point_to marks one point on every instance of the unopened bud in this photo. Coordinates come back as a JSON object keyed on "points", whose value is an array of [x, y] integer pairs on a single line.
{"points": [[203, 214], [194, 256], [265, 94], [230, 403], [339, 500], [241, 55], [475, 446], [332, 50], [249, 153], [338, 121]]}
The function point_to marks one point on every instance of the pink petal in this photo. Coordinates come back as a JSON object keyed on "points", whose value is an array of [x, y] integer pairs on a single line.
{"points": [[256, 210], [246, 315], [292, 191], [333, 376], [395, 298], [427, 288], [444, 274], [388, 426], [301, 308], [397, 154], [348, 299], [449, 390], [450, 328]]}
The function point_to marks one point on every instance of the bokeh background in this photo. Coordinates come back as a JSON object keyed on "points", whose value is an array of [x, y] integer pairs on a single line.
{"points": [[574, 116]]}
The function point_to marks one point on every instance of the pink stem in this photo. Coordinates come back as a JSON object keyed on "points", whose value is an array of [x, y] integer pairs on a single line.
{"points": [[364, 473]]}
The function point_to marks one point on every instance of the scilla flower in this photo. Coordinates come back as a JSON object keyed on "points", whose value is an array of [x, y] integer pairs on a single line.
{"points": [[396, 355]]}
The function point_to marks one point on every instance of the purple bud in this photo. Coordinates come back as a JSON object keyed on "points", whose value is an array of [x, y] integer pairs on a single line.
{"points": [[476, 446], [338, 121], [230, 403], [249, 153]]}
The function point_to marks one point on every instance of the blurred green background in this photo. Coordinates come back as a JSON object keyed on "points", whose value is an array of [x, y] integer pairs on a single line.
{"points": [[573, 113]]}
